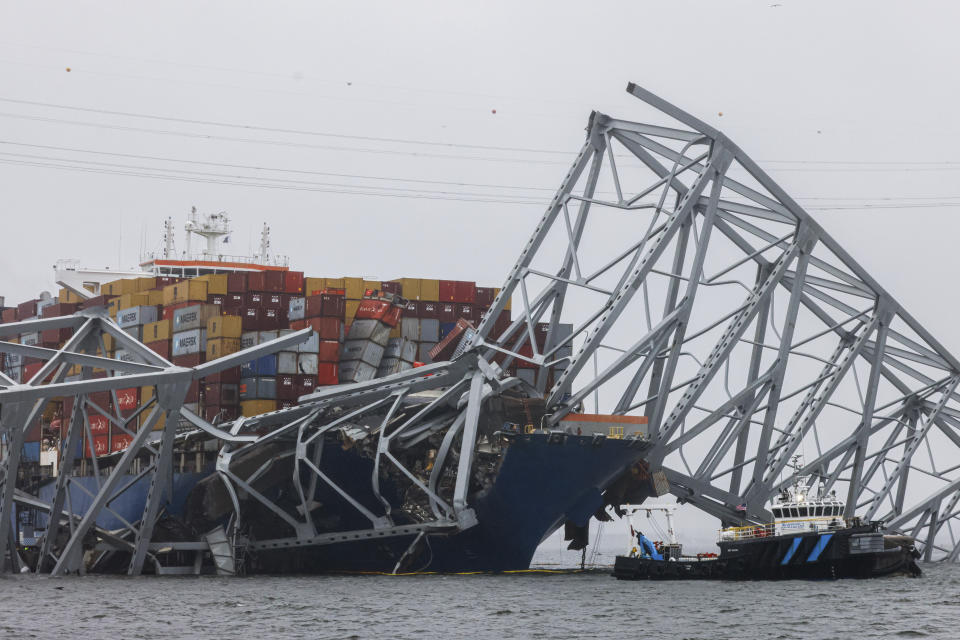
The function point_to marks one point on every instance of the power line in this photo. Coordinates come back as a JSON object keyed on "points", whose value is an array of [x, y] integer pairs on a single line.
{"points": [[262, 168], [229, 180]]}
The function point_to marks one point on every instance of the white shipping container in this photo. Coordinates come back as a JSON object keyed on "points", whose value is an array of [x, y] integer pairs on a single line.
{"points": [[369, 352], [194, 317], [287, 363], [429, 330], [267, 336], [390, 366], [369, 329], [249, 339], [410, 328], [356, 371], [312, 345], [135, 316], [187, 342], [30, 338], [136, 332], [297, 308], [307, 364]]}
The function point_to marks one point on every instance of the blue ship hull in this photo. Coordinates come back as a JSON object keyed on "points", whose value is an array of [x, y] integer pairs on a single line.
{"points": [[542, 482]]}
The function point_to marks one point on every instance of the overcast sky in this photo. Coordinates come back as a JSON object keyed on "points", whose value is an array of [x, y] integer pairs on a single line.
{"points": [[850, 106]]}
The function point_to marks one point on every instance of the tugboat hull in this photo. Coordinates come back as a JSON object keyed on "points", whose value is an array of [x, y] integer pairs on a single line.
{"points": [[854, 552]]}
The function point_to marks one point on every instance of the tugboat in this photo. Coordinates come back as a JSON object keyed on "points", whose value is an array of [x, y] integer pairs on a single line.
{"points": [[809, 538]]}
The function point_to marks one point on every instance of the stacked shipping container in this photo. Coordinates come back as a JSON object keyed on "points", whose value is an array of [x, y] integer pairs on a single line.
{"points": [[190, 321]]}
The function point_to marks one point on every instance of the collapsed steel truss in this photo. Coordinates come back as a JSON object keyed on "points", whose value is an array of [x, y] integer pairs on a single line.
{"points": [[680, 321]]}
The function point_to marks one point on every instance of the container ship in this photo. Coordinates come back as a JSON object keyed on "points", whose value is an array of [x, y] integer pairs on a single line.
{"points": [[192, 307]]}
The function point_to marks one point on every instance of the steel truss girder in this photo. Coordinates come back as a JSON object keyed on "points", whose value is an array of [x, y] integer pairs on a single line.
{"points": [[719, 208]]}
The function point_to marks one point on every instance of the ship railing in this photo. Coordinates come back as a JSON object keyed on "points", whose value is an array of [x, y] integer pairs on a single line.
{"points": [[747, 533], [766, 530]]}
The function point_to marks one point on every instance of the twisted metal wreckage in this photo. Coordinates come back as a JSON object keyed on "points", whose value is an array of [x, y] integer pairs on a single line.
{"points": [[679, 324]]}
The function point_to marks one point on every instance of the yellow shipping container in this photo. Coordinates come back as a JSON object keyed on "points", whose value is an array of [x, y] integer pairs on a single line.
{"points": [[219, 347], [395, 332], [353, 287], [112, 306], [146, 284], [185, 291], [130, 300], [409, 288], [156, 331], [119, 287], [65, 295], [430, 290], [154, 297], [312, 284], [145, 394], [224, 327], [256, 407], [352, 309], [334, 283], [372, 284], [216, 283], [108, 342]]}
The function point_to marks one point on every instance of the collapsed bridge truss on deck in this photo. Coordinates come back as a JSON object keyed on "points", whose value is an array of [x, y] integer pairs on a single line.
{"points": [[700, 295]]}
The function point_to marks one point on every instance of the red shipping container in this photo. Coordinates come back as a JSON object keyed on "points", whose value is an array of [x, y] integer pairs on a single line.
{"points": [[221, 394], [234, 300], [161, 348], [236, 282], [327, 373], [467, 312], [189, 360], [99, 424], [273, 281], [334, 305], [305, 384], [392, 287], [217, 299], [9, 314], [448, 291], [540, 333], [286, 387], [128, 399], [27, 309], [30, 370], [276, 301], [120, 442], [227, 376], [392, 316], [293, 282], [448, 312], [250, 319], [327, 328], [221, 413], [329, 351], [372, 309], [97, 301], [256, 281], [34, 432], [527, 351], [254, 299], [53, 337], [193, 391], [484, 295], [59, 309], [101, 446], [313, 306], [430, 310], [412, 310], [445, 348], [169, 310], [465, 292], [273, 319]]}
